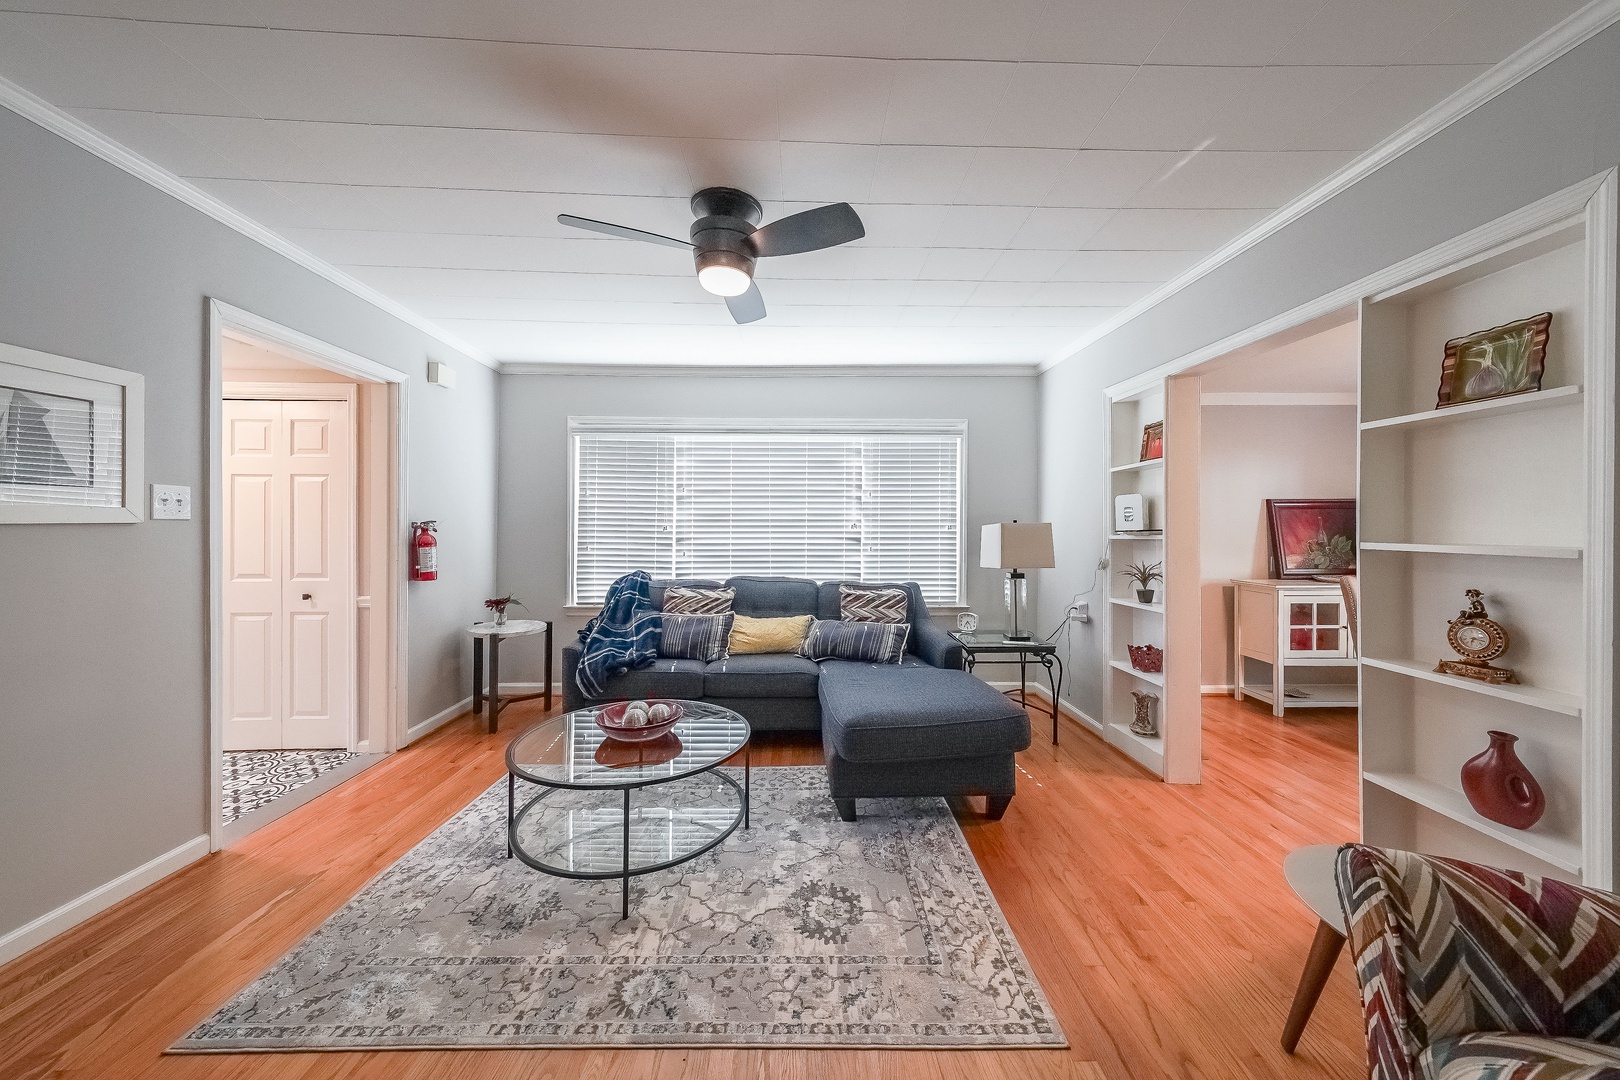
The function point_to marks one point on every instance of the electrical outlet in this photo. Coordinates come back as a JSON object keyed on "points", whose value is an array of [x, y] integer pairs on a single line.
{"points": [[171, 502], [1080, 611]]}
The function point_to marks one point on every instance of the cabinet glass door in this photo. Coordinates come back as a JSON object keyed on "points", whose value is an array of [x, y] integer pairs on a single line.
{"points": [[1316, 628]]}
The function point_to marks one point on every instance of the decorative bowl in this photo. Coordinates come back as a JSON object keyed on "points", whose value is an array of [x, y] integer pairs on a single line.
{"points": [[1149, 658], [610, 718]]}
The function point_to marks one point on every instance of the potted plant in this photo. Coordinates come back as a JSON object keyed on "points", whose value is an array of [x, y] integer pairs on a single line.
{"points": [[1144, 576], [498, 605]]}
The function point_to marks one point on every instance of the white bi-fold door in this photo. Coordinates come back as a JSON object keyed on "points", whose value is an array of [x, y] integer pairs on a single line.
{"points": [[288, 574]]}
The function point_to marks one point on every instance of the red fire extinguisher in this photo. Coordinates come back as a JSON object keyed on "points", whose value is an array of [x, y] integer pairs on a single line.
{"points": [[424, 551]]}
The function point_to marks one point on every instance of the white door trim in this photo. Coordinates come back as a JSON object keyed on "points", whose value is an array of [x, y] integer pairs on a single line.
{"points": [[226, 320]]}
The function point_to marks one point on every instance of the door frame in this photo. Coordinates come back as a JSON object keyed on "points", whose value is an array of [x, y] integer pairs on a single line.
{"points": [[227, 320], [349, 394]]}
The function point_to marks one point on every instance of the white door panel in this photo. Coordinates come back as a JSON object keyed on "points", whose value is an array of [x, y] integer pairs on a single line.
{"points": [[289, 588]]}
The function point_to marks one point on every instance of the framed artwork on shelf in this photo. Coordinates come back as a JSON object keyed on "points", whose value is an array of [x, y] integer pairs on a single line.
{"points": [[71, 438], [1498, 362], [1153, 441], [1311, 537]]}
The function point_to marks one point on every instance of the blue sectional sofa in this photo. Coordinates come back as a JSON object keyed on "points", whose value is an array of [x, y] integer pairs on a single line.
{"points": [[920, 727]]}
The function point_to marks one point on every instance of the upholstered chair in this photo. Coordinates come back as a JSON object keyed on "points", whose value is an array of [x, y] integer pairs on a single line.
{"points": [[1473, 973]]}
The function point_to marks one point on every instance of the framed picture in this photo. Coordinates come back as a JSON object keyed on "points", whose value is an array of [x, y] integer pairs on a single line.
{"points": [[1311, 537], [1153, 441], [1495, 363], [71, 440]]}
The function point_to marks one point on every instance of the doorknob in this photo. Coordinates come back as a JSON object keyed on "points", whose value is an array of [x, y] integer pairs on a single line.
{"points": [[307, 596]]}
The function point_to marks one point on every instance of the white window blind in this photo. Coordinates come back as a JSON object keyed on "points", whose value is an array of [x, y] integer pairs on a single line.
{"points": [[698, 499]]}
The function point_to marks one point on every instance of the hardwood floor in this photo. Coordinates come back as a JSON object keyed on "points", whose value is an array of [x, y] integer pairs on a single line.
{"points": [[1156, 917]]}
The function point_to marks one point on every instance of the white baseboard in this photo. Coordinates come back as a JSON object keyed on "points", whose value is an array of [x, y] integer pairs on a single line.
{"points": [[529, 687], [437, 720], [1215, 688], [36, 933]]}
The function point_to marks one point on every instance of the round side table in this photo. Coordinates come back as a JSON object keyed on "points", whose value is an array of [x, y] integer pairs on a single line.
{"points": [[494, 633], [1309, 871]]}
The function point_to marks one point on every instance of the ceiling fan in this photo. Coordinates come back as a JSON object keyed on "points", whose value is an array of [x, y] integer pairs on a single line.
{"points": [[726, 239]]}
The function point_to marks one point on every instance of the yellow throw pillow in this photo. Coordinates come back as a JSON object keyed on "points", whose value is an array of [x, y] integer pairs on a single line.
{"points": [[769, 635]]}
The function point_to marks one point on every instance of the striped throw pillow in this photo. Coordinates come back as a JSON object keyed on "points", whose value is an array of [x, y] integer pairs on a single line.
{"points": [[690, 600], [873, 603], [876, 643], [695, 637]]}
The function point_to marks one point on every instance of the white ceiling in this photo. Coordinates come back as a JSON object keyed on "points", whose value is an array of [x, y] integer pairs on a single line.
{"points": [[1025, 168]]}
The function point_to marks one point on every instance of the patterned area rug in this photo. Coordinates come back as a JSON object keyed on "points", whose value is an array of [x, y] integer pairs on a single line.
{"points": [[256, 777], [804, 930]]}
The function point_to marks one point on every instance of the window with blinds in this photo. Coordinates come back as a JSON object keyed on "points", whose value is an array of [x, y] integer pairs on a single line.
{"points": [[699, 499], [61, 440]]}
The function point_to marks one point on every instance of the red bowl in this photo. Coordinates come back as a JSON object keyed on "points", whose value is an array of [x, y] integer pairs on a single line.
{"points": [[610, 718]]}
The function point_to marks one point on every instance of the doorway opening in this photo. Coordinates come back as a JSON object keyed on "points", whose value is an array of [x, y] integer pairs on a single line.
{"points": [[1276, 434], [307, 609]]}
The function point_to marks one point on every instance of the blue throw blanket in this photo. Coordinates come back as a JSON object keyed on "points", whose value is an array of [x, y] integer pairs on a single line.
{"points": [[624, 636]]}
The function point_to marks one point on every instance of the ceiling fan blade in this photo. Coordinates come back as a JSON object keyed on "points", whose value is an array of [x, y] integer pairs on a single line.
{"points": [[749, 307], [811, 230], [621, 231]]}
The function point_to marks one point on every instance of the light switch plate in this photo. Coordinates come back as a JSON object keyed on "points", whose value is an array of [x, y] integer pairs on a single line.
{"points": [[171, 502]]}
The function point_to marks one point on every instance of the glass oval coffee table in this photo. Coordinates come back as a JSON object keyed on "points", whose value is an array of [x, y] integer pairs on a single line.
{"points": [[583, 823]]}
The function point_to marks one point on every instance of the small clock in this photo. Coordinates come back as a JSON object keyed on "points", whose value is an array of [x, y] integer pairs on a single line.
{"points": [[1478, 639], [967, 622]]}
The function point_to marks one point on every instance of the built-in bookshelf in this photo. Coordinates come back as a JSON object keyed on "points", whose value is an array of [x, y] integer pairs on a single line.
{"points": [[1512, 496]]}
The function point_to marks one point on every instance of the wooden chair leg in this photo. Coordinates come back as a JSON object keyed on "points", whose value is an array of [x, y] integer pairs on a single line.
{"points": [[1318, 966], [996, 805]]}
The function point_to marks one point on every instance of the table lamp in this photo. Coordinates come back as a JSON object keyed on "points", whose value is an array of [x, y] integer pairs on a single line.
{"points": [[1014, 546]]}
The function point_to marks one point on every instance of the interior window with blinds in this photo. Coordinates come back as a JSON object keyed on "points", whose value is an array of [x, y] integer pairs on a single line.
{"points": [[679, 499], [61, 440]]}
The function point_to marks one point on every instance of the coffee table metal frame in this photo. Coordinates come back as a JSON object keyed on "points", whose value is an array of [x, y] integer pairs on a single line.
{"points": [[515, 772]]}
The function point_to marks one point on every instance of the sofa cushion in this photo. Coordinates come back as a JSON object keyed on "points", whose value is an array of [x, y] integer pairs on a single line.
{"points": [[900, 712], [1491, 1055], [874, 642], [781, 635], [773, 597], [696, 637], [761, 675], [663, 678], [660, 586]]}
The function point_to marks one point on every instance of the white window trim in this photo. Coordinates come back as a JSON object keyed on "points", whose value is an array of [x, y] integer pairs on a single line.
{"points": [[131, 387], [582, 425]]}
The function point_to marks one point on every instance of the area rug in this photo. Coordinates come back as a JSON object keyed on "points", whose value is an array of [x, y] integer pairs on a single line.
{"points": [[803, 930], [254, 778]]}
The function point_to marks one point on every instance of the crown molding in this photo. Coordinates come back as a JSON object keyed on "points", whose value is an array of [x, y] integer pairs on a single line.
{"points": [[82, 135], [774, 371], [1579, 27]]}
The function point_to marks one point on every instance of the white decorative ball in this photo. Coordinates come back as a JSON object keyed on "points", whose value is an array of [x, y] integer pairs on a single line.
{"points": [[657, 713], [635, 716]]}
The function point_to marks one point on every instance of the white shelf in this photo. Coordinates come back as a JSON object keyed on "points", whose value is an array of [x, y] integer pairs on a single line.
{"points": [[1144, 535], [1562, 853], [1518, 551], [1150, 752], [1533, 696], [1151, 463], [1558, 395], [1322, 695], [1120, 601], [1154, 677]]}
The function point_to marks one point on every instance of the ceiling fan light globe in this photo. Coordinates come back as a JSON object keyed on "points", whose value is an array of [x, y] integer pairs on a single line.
{"points": [[722, 280]]}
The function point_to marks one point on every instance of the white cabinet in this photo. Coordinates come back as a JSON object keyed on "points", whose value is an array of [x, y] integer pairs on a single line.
{"points": [[1294, 629]]}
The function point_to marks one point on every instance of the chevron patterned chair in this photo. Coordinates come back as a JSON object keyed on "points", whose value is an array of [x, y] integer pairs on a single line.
{"points": [[1473, 973]]}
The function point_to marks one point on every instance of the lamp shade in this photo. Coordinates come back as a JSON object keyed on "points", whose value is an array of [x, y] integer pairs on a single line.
{"points": [[1011, 545]]}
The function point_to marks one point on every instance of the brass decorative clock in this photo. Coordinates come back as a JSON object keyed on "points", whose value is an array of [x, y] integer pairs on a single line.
{"points": [[1478, 639]]}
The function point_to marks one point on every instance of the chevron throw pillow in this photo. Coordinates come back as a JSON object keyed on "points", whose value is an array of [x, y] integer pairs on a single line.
{"points": [[690, 600], [875, 643], [696, 637], [874, 604]]}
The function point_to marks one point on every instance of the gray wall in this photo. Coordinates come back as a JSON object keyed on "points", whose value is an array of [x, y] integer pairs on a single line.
{"points": [[104, 628], [533, 523], [1554, 129]]}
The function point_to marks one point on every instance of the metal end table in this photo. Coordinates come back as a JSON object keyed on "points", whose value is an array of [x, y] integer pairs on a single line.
{"points": [[1022, 651], [495, 632], [583, 823]]}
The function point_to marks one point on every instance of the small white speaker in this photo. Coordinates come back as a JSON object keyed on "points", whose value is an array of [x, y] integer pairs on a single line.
{"points": [[1130, 513]]}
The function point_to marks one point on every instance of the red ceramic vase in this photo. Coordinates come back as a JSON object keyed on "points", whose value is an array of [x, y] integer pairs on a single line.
{"points": [[1499, 787]]}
